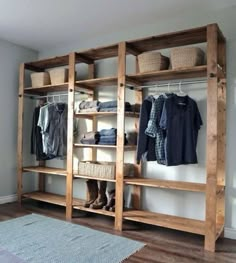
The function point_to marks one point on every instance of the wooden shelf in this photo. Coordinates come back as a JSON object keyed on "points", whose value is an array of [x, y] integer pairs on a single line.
{"points": [[46, 197], [171, 74], [173, 222], [46, 88], [126, 147], [100, 52], [45, 170], [80, 206], [52, 62], [77, 175], [90, 115], [98, 82], [178, 185], [169, 40]]}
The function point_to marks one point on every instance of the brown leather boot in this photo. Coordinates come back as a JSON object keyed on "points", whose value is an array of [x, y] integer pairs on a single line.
{"points": [[93, 192], [101, 201]]}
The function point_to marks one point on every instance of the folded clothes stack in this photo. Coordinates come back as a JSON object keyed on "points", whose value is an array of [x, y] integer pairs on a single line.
{"points": [[107, 136], [109, 106], [90, 138], [89, 106]]}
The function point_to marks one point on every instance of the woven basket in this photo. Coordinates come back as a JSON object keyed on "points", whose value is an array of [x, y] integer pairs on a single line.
{"points": [[186, 57], [106, 170], [39, 79], [152, 61], [58, 75]]}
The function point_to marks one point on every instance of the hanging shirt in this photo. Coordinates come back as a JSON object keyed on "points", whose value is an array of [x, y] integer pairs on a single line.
{"points": [[153, 128], [57, 129], [146, 144], [181, 120]]}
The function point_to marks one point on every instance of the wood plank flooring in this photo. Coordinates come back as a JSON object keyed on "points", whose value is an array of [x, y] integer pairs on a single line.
{"points": [[163, 245]]}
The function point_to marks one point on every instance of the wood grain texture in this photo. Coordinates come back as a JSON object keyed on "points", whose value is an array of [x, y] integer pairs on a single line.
{"points": [[70, 136], [162, 244], [90, 115], [20, 130], [137, 190], [41, 179], [170, 74], [120, 135], [169, 40], [212, 137], [45, 170]]}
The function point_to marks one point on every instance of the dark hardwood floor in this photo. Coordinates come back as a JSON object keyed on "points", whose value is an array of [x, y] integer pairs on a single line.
{"points": [[162, 245]]}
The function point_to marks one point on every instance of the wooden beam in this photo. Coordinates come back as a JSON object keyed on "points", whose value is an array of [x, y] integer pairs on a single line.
{"points": [[212, 138], [20, 130], [41, 181], [70, 136], [83, 58], [137, 190], [120, 135], [132, 50]]}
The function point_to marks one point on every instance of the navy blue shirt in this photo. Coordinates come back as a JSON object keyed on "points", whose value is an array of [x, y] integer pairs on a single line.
{"points": [[181, 120]]}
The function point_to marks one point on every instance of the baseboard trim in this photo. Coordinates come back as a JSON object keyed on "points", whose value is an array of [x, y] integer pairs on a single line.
{"points": [[8, 199], [230, 233]]}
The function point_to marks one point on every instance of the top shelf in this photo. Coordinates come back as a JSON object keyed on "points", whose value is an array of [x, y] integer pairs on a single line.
{"points": [[169, 40]]}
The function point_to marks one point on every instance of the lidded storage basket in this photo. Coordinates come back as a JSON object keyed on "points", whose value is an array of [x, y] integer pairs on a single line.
{"points": [[152, 61], [106, 170], [58, 75], [39, 79], [183, 57]]}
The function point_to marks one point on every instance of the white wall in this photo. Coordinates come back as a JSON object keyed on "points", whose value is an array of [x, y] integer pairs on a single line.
{"points": [[11, 56], [176, 202]]}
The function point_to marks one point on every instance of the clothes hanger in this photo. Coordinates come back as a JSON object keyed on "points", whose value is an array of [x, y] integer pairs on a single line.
{"points": [[181, 93]]}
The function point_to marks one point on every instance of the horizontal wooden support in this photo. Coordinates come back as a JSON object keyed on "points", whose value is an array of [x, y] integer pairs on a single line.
{"points": [[47, 88], [49, 62], [168, 221], [98, 82], [130, 49], [126, 147], [171, 74], [95, 211], [167, 184], [83, 58], [45, 170], [90, 115], [79, 176], [169, 40]]}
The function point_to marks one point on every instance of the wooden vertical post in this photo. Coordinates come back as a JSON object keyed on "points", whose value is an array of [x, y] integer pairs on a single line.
{"points": [[91, 75], [220, 216], [136, 195], [41, 182], [120, 135], [20, 130], [70, 136], [212, 137]]}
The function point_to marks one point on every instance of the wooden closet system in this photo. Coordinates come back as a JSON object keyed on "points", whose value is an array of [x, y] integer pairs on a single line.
{"points": [[215, 72]]}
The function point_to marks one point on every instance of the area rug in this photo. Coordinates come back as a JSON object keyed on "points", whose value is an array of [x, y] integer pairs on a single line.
{"points": [[40, 239]]}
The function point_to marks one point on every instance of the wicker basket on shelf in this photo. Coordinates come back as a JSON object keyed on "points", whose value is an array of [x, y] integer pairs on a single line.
{"points": [[106, 170], [58, 75], [39, 79], [152, 61], [186, 57]]}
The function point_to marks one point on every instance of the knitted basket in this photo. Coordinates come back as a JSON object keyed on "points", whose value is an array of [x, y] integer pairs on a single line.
{"points": [[58, 75], [106, 170], [152, 61], [39, 79], [186, 57]]}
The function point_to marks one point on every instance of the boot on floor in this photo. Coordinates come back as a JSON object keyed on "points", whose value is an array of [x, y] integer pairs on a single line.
{"points": [[93, 192], [101, 201], [111, 200]]}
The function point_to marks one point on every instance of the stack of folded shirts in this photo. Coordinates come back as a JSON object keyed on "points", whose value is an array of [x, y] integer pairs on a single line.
{"points": [[107, 136], [111, 106], [90, 138], [89, 106]]}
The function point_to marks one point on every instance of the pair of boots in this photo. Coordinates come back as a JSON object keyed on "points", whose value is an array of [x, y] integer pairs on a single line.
{"points": [[97, 197]]}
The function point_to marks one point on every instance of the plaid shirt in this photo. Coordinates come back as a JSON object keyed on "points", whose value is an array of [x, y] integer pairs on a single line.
{"points": [[154, 130]]}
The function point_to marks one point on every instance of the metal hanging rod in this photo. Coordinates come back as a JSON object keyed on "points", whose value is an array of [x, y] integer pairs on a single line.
{"points": [[158, 85], [37, 97]]}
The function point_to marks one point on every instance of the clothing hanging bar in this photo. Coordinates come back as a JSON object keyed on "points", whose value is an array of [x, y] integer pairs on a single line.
{"points": [[169, 84], [37, 97]]}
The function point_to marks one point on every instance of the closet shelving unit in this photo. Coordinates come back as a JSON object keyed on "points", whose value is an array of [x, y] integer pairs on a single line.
{"points": [[215, 72]]}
